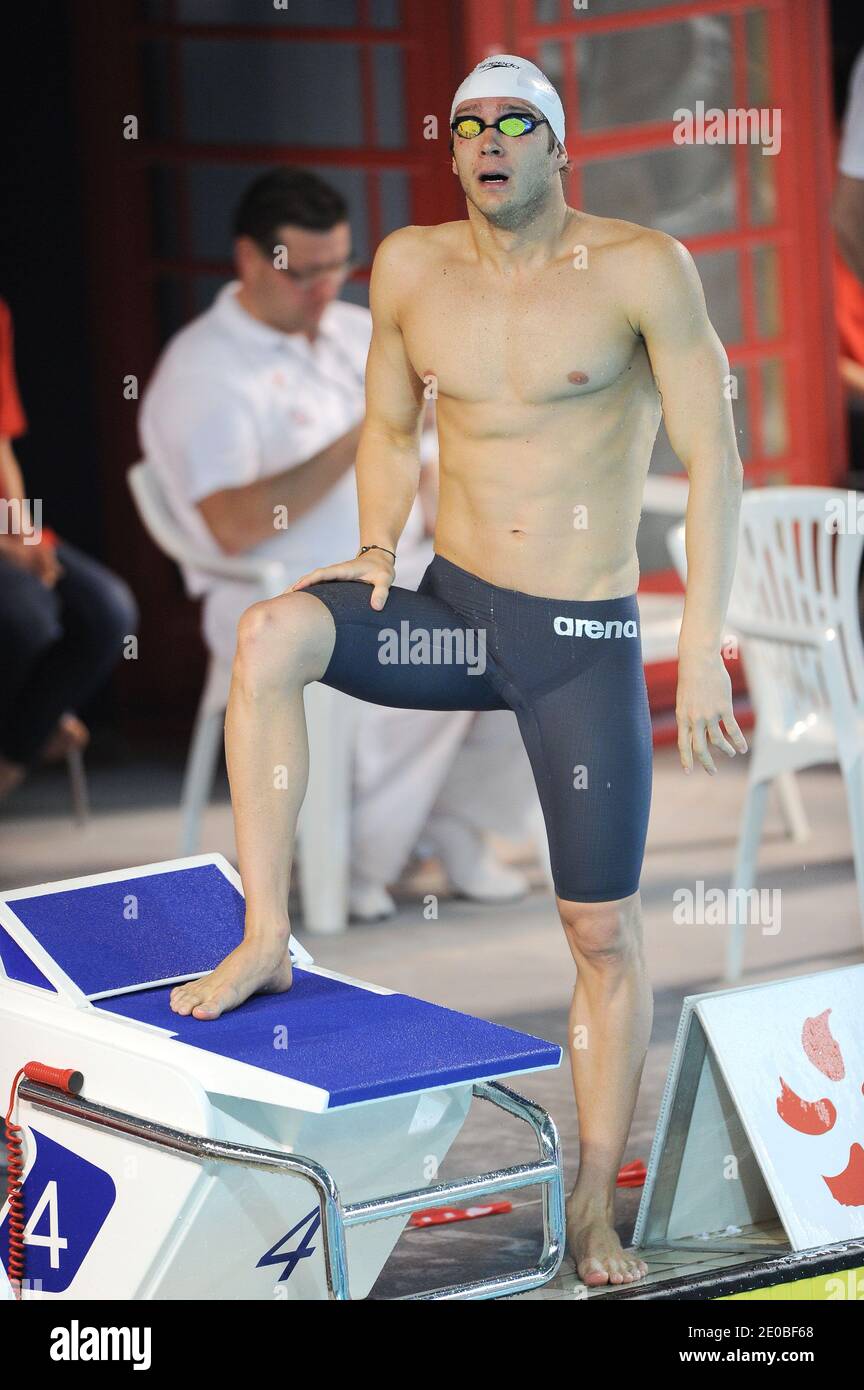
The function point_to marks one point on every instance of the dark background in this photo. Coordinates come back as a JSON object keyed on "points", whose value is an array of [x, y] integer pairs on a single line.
{"points": [[42, 270]]}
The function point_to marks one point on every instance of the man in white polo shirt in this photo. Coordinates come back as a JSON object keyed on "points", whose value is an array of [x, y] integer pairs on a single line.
{"points": [[252, 419]]}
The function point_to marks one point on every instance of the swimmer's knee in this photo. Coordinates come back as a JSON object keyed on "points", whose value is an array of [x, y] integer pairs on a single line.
{"points": [[602, 932], [289, 634]]}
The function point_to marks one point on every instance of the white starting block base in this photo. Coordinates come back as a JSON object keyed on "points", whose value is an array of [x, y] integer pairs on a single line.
{"points": [[276, 1152]]}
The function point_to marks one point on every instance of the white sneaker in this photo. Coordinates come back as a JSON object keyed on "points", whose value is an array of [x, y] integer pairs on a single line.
{"points": [[470, 864], [369, 902]]}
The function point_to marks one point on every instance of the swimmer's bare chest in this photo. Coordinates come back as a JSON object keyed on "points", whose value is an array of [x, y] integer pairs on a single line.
{"points": [[547, 411]]}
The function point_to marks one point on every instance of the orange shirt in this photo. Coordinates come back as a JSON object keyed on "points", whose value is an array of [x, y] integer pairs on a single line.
{"points": [[13, 421]]}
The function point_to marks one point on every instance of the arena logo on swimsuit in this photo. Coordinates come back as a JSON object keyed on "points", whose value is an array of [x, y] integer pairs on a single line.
{"points": [[589, 627]]}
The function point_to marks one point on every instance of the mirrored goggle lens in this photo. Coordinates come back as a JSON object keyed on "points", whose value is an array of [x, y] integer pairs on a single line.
{"points": [[468, 129], [514, 125]]}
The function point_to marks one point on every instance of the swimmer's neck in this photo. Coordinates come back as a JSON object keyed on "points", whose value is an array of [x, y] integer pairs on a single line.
{"points": [[528, 247]]}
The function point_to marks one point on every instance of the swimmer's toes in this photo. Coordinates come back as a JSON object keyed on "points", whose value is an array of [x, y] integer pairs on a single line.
{"points": [[217, 1000], [191, 997], [591, 1272], [206, 1011]]}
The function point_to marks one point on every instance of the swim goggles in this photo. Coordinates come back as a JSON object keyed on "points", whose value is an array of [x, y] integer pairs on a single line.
{"points": [[511, 123]]}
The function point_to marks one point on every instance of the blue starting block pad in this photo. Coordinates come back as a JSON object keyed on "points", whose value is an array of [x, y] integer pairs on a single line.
{"points": [[354, 1043], [119, 942], [110, 935]]}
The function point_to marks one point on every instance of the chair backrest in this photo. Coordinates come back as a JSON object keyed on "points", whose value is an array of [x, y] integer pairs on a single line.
{"points": [[155, 512], [154, 509], [799, 555]]}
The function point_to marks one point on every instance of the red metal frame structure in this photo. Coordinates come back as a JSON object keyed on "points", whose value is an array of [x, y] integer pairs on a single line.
{"points": [[439, 43]]}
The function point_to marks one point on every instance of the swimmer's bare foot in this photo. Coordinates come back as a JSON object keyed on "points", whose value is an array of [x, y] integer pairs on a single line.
{"points": [[256, 966], [594, 1244]]}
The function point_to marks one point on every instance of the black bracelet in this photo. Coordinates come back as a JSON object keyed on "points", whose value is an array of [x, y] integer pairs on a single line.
{"points": [[364, 548]]}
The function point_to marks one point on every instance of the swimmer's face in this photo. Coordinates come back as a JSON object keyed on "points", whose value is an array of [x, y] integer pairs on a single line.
{"points": [[524, 163], [293, 283]]}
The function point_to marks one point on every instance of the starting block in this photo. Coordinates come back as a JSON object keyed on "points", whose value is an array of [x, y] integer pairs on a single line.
{"points": [[277, 1151]]}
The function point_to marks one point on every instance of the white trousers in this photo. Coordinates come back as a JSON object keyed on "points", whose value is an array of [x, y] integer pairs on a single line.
{"points": [[413, 765]]}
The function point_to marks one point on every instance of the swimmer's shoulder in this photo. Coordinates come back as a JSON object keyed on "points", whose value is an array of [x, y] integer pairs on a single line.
{"points": [[648, 252], [625, 242], [399, 262], [637, 258], [406, 258], [414, 248]]}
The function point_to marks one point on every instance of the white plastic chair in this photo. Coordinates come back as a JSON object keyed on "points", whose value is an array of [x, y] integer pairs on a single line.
{"points": [[789, 796], [323, 828], [794, 610], [660, 614]]}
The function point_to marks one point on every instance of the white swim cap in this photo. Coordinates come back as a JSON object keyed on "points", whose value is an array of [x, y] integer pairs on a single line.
{"points": [[506, 75]]}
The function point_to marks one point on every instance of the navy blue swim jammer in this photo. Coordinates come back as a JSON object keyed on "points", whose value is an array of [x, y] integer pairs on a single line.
{"points": [[571, 671]]}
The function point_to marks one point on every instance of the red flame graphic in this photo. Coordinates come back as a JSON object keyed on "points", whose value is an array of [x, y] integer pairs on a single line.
{"points": [[819, 1116]]}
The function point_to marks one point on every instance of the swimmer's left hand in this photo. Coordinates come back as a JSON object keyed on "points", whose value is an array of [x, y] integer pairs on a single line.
{"points": [[704, 699]]}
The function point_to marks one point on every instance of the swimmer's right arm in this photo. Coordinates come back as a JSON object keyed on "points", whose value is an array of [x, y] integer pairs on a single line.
{"points": [[388, 456]]}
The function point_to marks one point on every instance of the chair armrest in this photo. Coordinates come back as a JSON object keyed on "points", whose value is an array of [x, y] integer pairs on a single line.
{"points": [[270, 574], [668, 496], [793, 634], [240, 568]]}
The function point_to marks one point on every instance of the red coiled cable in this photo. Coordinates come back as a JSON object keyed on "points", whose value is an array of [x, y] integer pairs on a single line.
{"points": [[64, 1079]]}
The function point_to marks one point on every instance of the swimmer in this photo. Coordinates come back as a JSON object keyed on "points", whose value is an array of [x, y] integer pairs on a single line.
{"points": [[555, 339]]}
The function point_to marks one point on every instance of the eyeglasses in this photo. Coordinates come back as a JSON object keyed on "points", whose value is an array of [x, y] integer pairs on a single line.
{"points": [[303, 278], [512, 123]]}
